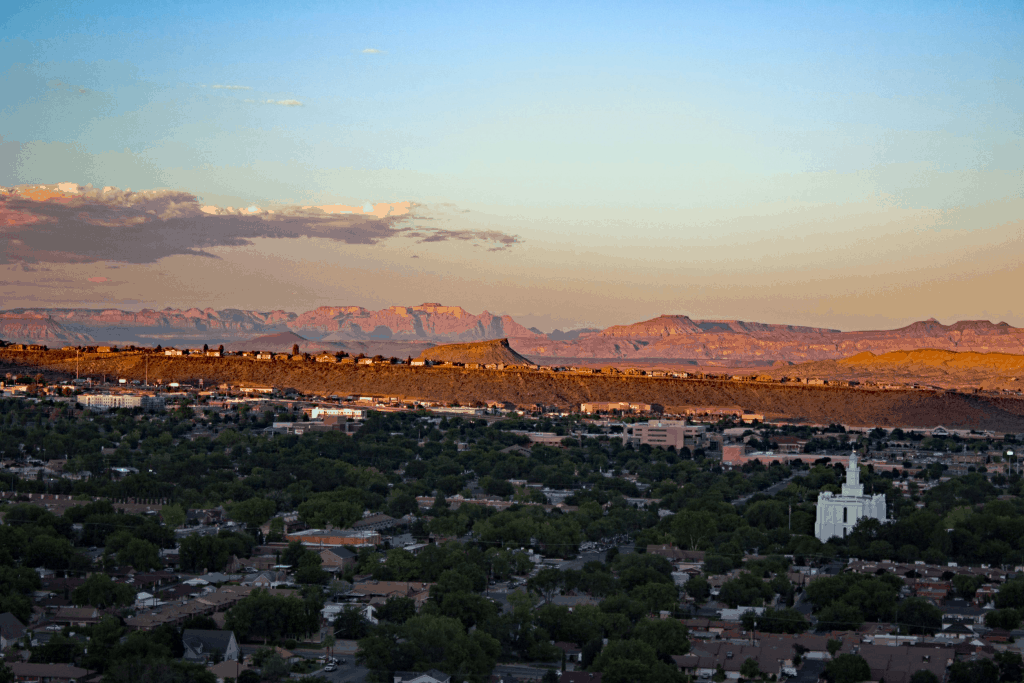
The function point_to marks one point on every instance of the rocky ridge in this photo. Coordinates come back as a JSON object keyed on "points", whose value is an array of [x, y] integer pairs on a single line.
{"points": [[670, 337]]}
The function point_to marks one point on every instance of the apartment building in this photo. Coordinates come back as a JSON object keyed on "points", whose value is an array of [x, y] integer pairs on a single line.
{"points": [[114, 401]]}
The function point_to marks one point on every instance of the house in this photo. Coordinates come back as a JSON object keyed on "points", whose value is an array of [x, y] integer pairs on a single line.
{"points": [[202, 645], [416, 591], [573, 653], [226, 670], [430, 676], [77, 616], [47, 673], [376, 522], [669, 552], [338, 557], [11, 629], [267, 579]]}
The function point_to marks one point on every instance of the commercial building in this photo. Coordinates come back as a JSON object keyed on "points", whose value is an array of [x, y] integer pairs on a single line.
{"points": [[670, 433], [356, 413], [114, 401], [323, 538], [609, 406], [837, 515]]}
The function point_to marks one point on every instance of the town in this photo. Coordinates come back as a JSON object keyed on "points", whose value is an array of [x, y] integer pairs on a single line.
{"points": [[254, 533]]}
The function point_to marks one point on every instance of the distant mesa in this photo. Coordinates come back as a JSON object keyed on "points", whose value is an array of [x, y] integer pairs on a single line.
{"points": [[405, 330], [486, 352]]}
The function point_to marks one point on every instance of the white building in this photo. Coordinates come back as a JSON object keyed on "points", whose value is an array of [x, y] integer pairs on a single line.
{"points": [[837, 515], [113, 401], [319, 413]]}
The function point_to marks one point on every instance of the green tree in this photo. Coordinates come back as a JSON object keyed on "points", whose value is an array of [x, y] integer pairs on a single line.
{"points": [[918, 616], [546, 583], [667, 636], [698, 589], [847, 669], [693, 529], [974, 671], [173, 516], [253, 512], [967, 585], [397, 610], [351, 624], [924, 676], [274, 668], [625, 661], [140, 555], [99, 590], [1008, 619], [750, 669]]}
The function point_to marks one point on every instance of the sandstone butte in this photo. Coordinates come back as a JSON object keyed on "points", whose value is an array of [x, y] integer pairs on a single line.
{"points": [[491, 351], [813, 404]]}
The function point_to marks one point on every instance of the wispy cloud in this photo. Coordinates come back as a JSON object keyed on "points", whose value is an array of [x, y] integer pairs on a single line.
{"points": [[142, 227], [231, 87], [285, 103], [372, 51]]}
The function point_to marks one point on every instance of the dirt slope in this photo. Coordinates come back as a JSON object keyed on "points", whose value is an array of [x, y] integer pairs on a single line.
{"points": [[935, 367]]}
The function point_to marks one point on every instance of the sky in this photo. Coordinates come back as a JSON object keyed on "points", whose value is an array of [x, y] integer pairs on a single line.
{"points": [[850, 165]]}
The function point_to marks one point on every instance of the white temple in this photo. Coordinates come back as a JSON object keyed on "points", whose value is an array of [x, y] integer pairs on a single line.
{"points": [[837, 515]]}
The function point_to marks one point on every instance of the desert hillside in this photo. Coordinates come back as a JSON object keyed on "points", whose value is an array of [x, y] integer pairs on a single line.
{"points": [[816, 404], [966, 370]]}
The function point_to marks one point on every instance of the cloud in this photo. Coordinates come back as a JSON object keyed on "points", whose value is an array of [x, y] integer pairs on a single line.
{"points": [[372, 51], [286, 103], [231, 87], [39, 224], [99, 278]]}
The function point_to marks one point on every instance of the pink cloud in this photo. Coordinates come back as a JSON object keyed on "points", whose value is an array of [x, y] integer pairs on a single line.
{"points": [[99, 278]]}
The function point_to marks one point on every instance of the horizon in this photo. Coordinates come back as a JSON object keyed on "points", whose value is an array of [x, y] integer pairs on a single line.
{"points": [[182, 309], [843, 165]]}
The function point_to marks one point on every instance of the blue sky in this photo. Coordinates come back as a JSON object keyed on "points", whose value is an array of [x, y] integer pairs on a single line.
{"points": [[566, 123]]}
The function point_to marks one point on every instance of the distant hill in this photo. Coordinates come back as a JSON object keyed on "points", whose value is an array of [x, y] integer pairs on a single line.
{"points": [[405, 330], [492, 351]]}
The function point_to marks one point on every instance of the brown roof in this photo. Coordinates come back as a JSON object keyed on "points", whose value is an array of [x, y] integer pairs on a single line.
{"points": [[40, 671]]}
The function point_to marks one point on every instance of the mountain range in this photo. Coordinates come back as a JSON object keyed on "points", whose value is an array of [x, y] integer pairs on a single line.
{"points": [[675, 338]]}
